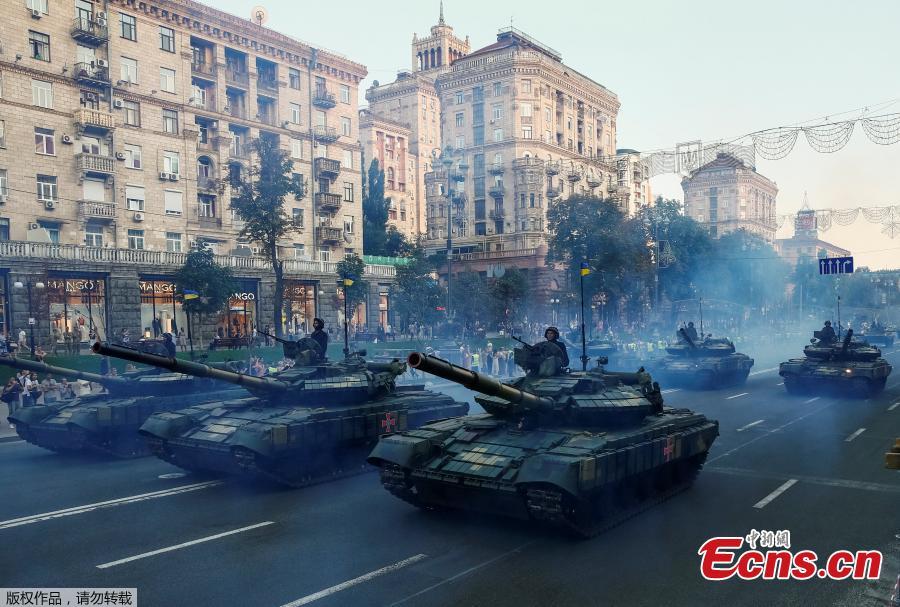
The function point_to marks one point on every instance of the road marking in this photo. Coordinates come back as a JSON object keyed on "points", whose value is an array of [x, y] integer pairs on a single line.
{"points": [[781, 384], [811, 400], [894, 406], [357, 580], [36, 518], [737, 395], [750, 425], [209, 538], [815, 480], [172, 475], [768, 499], [854, 435], [670, 390], [760, 372]]}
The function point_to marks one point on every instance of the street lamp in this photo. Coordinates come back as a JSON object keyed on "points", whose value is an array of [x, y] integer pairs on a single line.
{"points": [[446, 159], [31, 319], [554, 302]]}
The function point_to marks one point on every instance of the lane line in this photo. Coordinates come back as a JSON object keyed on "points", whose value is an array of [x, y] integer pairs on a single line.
{"points": [[750, 425], [737, 395], [811, 400], [814, 480], [781, 384], [894, 406], [854, 435], [670, 390], [461, 573], [45, 516], [764, 371], [768, 499], [357, 580], [209, 538]]}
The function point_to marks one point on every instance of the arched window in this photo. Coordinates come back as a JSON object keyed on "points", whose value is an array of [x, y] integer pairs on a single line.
{"points": [[440, 58], [498, 158]]}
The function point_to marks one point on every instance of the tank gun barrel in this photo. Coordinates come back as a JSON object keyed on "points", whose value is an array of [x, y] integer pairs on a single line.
{"points": [[38, 367], [190, 368], [474, 381]]}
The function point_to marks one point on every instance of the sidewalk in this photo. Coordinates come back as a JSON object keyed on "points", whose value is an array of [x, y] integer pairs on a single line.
{"points": [[6, 433]]}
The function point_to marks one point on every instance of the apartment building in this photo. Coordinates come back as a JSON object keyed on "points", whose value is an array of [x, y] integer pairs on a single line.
{"points": [[632, 181]]}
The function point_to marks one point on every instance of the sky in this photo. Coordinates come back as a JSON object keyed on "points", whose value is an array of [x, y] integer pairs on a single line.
{"points": [[683, 71]]}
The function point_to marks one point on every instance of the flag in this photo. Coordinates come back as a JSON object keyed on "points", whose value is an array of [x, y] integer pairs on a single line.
{"points": [[585, 270], [188, 294], [348, 282]]}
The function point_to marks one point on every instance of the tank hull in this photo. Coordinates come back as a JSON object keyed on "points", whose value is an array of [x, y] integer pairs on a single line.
{"points": [[879, 340], [704, 373], [862, 379]]}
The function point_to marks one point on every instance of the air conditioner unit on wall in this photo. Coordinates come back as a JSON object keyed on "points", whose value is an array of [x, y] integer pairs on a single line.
{"points": [[120, 155], [67, 139], [118, 104], [102, 63], [139, 216], [49, 204], [36, 13], [33, 226], [173, 176], [164, 175]]}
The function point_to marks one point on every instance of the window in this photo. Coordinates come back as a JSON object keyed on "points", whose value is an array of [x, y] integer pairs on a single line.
{"points": [[348, 159], [134, 198], [345, 126], [526, 110], [39, 5], [460, 119], [4, 183], [171, 163], [460, 97], [294, 78], [4, 230], [94, 145], [132, 113], [44, 142], [93, 236], [174, 201], [498, 134], [46, 188], [299, 251], [41, 93], [460, 141], [526, 86], [129, 26], [348, 224], [132, 156], [498, 89], [526, 132], [129, 71], [295, 113], [296, 148], [548, 116], [207, 205], [497, 111], [170, 121], [297, 217], [52, 229], [136, 239], [173, 242], [324, 255], [348, 191], [167, 79], [345, 93], [478, 135], [39, 45], [2, 133], [167, 39]]}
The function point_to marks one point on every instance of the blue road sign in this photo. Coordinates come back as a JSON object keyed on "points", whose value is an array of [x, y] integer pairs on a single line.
{"points": [[836, 265]]}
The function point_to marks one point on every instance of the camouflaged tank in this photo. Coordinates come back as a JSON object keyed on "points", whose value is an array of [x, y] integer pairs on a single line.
{"points": [[879, 335], [579, 450], [107, 422], [850, 365], [312, 422], [708, 364]]}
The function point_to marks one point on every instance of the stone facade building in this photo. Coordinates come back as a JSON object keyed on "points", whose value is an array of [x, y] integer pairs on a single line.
{"points": [[632, 181], [727, 194], [805, 243]]}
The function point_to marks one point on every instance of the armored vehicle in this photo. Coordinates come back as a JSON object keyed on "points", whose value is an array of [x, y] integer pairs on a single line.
{"points": [[850, 365], [107, 422], [707, 364], [579, 450], [879, 335], [309, 423]]}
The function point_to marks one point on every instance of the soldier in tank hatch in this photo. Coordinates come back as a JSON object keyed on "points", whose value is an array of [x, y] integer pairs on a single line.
{"points": [[827, 333], [551, 334], [320, 336]]}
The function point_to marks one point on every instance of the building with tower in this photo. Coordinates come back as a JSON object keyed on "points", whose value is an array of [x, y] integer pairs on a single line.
{"points": [[805, 244]]}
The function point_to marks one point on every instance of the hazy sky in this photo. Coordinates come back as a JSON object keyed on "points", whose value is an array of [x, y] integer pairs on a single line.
{"points": [[683, 71]]}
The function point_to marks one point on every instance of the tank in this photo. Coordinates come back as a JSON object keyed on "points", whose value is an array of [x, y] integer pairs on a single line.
{"points": [[576, 450], [707, 364], [879, 335], [107, 422], [851, 365], [313, 422]]}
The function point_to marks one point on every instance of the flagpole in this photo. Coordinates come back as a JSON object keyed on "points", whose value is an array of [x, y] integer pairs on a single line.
{"points": [[584, 356]]}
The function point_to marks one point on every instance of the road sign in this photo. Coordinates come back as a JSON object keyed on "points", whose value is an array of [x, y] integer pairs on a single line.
{"points": [[836, 265], [31, 321]]}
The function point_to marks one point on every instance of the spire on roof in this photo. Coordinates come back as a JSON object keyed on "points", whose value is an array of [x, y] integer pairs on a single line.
{"points": [[441, 19]]}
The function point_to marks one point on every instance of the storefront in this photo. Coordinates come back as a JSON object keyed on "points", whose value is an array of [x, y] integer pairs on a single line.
{"points": [[240, 316], [299, 307], [77, 304], [161, 312]]}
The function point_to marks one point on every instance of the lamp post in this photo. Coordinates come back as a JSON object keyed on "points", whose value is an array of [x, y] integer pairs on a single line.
{"points": [[446, 159], [86, 291], [31, 319], [554, 303]]}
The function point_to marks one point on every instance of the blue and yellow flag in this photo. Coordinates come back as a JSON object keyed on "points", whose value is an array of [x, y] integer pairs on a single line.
{"points": [[585, 270], [188, 294]]}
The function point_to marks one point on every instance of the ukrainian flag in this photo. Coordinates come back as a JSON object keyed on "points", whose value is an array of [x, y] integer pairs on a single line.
{"points": [[188, 294], [585, 270]]}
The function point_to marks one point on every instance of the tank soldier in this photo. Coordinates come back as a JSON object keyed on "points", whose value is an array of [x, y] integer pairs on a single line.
{"points": [[692, 332], [827, 334], [320, 335], [552, 335]]}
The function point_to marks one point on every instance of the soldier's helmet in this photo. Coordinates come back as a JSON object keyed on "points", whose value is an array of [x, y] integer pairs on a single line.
{"points": [[827, 323]]}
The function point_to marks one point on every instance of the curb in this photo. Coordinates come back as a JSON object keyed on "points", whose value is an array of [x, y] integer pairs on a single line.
{"points": [[10, 439]]}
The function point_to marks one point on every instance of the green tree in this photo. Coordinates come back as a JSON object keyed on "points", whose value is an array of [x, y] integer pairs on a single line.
{"points": [[353, 267], [375, 212], [396, 244], [212, 283], [417, 294], [508, 295], [259, 202], [470, 298]]}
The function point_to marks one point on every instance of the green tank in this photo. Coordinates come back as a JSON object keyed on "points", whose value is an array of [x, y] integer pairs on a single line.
{"points": [[578, 450], [107, 422], [705, 365], [312, 422], [851, 365], [879, 335]]}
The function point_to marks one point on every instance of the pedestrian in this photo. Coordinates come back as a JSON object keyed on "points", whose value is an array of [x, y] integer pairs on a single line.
{"points": [[39, 354], [476, 361], [4, 350], [11, 394], [182, 339], [56, 336], [67, 341], [22, 340], [169, 345], [320, 336], [495, 366]]}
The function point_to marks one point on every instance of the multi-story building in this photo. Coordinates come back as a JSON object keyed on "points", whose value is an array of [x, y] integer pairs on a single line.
{"points": [[124, 125], [727, 194], [632, 181], [388, 142], [805, 244]]}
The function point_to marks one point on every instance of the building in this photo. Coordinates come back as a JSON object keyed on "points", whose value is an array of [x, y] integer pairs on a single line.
{"points": [[121, 129], [388, 141], [805, 243], [633, 181], [727, 194]]}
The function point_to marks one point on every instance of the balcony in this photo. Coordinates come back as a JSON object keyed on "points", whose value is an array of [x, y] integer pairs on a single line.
{"points": [[325, 134], [89, 209], [529, 162], [328, 234], [593, 181], [328, 202], [433, 176], [323, 99], [552, 192], [95, 163], [497, 214], [496, 168], [238, 77], [89, 31], [267, 84], [496, 190], [552, 168], [203, 69], [85, 117], [240, 151], [207, 184], [326, 167], [573, 174], [90, 73], [269, 118]]}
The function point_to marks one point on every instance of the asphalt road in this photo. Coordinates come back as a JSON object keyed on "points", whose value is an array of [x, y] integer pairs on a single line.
{"points": [[183, 540]]}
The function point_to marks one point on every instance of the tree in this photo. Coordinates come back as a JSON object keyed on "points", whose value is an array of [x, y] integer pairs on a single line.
{"points": [[508, 295], [470, 298], [212, 283], [375, 212], [259, 201], [396, 244], [352, 268], [417, 294]]}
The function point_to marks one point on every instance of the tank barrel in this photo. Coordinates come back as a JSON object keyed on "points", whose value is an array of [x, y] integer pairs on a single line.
{"points": [[474, 381], [37, 367], [189, 367]]}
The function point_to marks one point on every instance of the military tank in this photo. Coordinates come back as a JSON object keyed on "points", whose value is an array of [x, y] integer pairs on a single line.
{"points": [[107, 422], [577, 450], [850, 365], [312, 422], [879, 335], [707, 364]]}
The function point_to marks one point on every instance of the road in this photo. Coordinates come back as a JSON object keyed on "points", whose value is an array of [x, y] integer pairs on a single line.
{"points": [[183, 540]]}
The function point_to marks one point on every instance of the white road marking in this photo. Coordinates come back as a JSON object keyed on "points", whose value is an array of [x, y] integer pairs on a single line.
{"points": [[184, 545], [811, 400], [815, 480], [736, 395], [750, 425], [36, 518], [670, 390], [854, 435], [357, 580], [766, 500], [760, 372], [172, 475], [894, 406], [781, 384]]}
